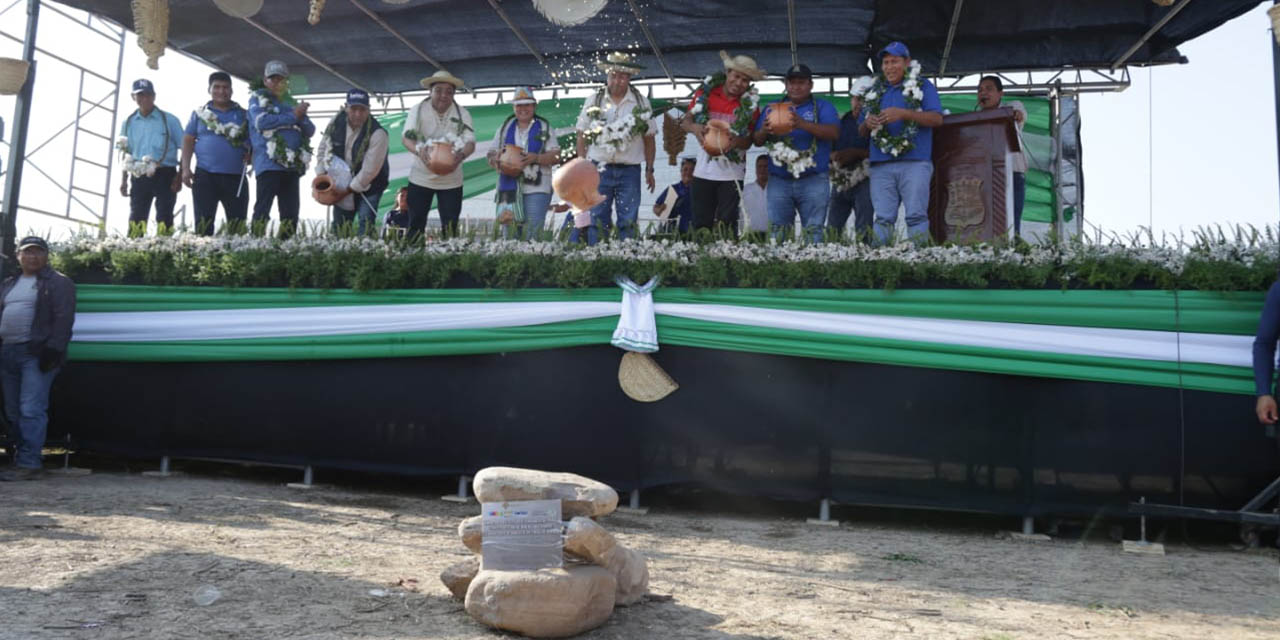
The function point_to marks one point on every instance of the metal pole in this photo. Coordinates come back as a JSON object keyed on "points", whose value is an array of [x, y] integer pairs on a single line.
{"points": [[18, 148], [1055, 114], [1275, 71]]}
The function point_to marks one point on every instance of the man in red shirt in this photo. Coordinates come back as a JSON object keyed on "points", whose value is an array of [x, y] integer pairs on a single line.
{"points": [[717, 178]]}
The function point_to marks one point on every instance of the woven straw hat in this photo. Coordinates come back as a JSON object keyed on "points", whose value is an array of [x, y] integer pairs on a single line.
{"points": [[745, 65], [642, 379], [440, 76], [620, 62]]}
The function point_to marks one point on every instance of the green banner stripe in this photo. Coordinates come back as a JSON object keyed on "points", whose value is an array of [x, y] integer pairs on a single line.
{"points": [[1234, 313]]}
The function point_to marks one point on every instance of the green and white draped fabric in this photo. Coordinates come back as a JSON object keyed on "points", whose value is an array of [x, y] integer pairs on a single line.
{"points": [[1196, 340]]}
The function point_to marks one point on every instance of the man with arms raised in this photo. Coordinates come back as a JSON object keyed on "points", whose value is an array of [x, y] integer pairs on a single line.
{"points": [[280, 132], [902, 109], [717, 181], [614, 133]]}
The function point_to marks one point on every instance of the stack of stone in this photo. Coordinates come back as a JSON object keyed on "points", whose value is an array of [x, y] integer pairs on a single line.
{"points": [[598, 573]]}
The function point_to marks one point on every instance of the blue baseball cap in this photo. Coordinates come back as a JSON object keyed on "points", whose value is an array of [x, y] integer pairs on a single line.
{"points": [[358, 96], [895, 48], [143, 85]]}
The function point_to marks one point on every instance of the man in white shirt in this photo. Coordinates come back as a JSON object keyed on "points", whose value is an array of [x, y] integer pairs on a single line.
{"points": [[437, 119], [614, 132], [755, 206], [991, 96]]}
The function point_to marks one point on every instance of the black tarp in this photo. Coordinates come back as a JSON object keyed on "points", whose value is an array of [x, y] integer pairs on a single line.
{"points": [[785, 427], [833, 37]]}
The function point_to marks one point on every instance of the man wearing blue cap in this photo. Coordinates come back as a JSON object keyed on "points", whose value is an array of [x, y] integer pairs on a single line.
{"points": [[279, 131], [361, 142], [218, 136], [901, 110], [149, 141], [814, 125]]}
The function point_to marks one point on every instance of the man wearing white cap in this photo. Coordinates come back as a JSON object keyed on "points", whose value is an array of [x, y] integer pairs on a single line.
{"points": [[280, 133], [717, 179], [437, 119], [150, 140], [361, 142], [614, 133], [528, 195]]}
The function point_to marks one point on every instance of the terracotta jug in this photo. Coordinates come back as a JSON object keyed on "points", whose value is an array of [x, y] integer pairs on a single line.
{"points": [[578, 183], [323, 192], [509, 160], [440, 158], [717, 138], [779, 118]]}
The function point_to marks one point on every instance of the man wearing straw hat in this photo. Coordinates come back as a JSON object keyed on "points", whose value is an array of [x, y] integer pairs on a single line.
{"points": [[614, 133], [218, 136], [360, 141], [717, 180], [279, 131], [149, 140], [439, 118]]}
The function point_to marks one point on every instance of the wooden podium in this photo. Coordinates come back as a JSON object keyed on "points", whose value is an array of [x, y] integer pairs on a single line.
{"points": [[971, 194]]}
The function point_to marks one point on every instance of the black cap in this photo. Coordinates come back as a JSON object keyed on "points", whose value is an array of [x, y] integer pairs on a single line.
{"points": [[799, 71], [33, 241], [143, 85], [219, 76]]}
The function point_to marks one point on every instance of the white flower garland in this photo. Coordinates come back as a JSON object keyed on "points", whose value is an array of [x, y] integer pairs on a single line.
{"points": [[137, 167], [844, 179], [233, 133], [277, 148], [795, 161], [912, 94], [618, 133]]}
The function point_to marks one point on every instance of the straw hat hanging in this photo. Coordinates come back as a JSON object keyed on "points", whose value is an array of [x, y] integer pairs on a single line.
{"points": [[13, 74], [151, 23], [642, 379]]}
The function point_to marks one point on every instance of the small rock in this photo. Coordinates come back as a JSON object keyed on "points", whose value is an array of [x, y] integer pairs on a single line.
{"points": [[547, 603], [457, 577], [630, 572], [588, 540], [579, 496], [471, 531]]}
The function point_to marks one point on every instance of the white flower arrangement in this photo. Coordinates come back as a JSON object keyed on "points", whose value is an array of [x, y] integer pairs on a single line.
{"points": [[845, 178], [122, 144], [235, 134], [872, 94], [795, 161], [619, 131], [454, 140], [278, 149], [140, 167]]}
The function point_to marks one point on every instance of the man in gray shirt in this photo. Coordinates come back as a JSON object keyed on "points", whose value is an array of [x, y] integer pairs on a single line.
{"points": [[37, 310]]}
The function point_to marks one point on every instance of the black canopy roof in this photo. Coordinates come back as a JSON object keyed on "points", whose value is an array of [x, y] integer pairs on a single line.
{"points": [[472, 38]]}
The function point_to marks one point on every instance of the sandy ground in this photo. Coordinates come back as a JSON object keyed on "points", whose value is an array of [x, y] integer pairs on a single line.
{"points": [[117, 555]]}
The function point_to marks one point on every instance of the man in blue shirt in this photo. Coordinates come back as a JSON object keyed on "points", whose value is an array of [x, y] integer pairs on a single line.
{"points": [[220, 158], [1264, 356], [682, 209], [280, 132], [902, 178], [816, 123], [851, 149], [149, 140]]}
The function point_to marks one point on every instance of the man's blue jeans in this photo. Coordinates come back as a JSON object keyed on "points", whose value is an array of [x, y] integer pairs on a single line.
{"points": [[857, 199], [620, 185], [365, 214], [904, 182], [26, 401], [807, 196]]}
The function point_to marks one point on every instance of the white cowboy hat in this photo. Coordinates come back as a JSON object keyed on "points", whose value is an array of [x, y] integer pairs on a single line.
{"points": [[441, 76], [745, 65], [619, 62]]}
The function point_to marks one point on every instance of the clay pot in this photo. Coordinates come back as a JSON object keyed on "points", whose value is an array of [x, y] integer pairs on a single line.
{"points": [[440, 158], [717, 138], [509, 161], [578, 183], [323, 192], [779, 118]]}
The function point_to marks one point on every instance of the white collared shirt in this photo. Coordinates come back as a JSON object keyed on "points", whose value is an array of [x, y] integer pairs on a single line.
{"points": [[606, 154], [431, 125]]}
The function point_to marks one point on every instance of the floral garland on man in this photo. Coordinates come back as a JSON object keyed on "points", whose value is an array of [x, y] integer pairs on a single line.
{"points": [[234, 133], [744, 115], [278, 149], [617, 133], [912, 93]]}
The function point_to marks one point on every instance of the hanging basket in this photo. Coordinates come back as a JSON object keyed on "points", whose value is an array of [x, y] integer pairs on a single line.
{"points": [[673, 138], [1274, 14], [313, 16], [13, 74], [642, 379], [151, 23]]}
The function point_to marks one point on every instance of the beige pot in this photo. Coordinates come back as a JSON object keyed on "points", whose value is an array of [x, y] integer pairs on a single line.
{"points": [[322, 191], [440, 158], [779, 118], [717, 137], [578, 183], [510, 159]]}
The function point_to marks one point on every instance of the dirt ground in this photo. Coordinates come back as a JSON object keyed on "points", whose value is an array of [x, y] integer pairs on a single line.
{"points": [[118, 555]]}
